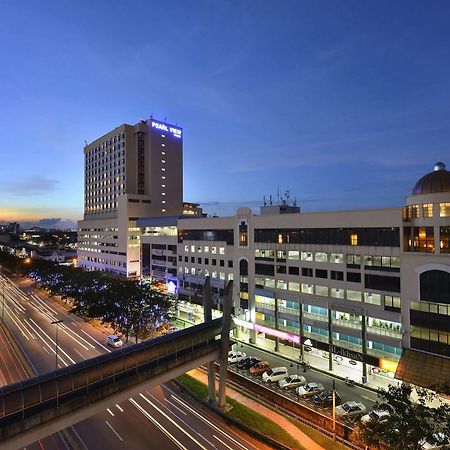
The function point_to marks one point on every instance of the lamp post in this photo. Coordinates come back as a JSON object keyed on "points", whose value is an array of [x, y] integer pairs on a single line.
{"points": [[56, 322]]}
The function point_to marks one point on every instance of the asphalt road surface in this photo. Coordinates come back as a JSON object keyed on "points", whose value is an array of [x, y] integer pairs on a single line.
{"points": [[162, 418]]}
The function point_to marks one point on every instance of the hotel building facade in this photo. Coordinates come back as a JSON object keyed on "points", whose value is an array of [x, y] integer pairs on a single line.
{"points": [[369, 289], [131, 172]]}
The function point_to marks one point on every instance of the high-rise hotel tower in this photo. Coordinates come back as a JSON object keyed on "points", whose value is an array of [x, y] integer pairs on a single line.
{"points": [[131, 172]]}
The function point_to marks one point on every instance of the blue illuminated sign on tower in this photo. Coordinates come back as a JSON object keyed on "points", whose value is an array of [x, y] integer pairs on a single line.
{"points": [[176, 132]]}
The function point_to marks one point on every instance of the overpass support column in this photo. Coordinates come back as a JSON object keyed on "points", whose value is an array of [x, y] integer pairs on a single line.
{"points": [[225, 344], [207, 314]]}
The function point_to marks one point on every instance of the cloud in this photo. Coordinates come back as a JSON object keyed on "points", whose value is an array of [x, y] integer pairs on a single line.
{"points": [[34, 185]]}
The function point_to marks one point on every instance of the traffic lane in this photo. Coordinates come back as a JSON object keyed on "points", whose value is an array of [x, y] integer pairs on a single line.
{"points": [[200, 418], [347, 392], [10, 369]]}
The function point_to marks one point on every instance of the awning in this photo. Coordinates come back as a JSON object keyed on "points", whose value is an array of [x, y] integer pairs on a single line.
{"points": [[423, 369]]}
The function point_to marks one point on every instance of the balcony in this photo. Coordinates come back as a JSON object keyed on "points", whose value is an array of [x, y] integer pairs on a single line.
{"points": [[382, 354], [391, 332], [289, 329], [291, 311], [260, 306], [313, 316], [316, 336], [347, 324], [266, 323]]}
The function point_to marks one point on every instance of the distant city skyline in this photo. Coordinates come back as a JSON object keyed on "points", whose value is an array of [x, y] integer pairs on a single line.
{"points": [[344, 104]]}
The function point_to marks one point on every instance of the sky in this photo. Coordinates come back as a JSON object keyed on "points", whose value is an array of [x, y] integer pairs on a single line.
{"points": [[345, 104]]}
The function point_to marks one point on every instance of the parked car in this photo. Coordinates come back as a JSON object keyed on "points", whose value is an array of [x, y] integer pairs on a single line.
{"points": [[292, 381], [325, 398], [259, 368], [350, 410], [249, 361], [309, 390], [438, 442], [114, 341], [377, 416], [276, 374], [234, 357]]}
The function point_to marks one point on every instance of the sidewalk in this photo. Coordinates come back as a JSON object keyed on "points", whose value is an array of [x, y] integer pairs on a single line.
{"points": [[284, 423]]}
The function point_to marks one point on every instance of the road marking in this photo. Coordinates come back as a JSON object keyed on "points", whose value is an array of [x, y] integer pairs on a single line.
{"points": [[175, 406], [107, 409], [119, 408], [114, 431], [79, 354], [173, 422], [98, 343], [51, 340], [78, 336], [157, 424], [11, 314], [206, 420], [223, 443]]}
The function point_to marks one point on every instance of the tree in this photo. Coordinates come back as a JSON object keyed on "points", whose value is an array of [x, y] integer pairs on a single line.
{"points": [[409, 421]]}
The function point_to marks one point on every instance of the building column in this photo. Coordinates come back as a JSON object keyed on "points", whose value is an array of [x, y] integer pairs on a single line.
{"points": [[330, 339], [225, 343], [301, 335], [277, 340], [207, 314], [364, 347]]}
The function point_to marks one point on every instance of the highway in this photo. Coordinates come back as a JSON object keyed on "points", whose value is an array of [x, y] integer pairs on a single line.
{"points": [[160, 418]]}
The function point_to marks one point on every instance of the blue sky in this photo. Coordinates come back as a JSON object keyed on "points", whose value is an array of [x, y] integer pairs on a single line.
{"points": [[343, 103]]}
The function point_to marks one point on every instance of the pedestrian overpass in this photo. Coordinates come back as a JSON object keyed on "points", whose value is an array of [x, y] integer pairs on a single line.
{"points": [[40, 406]]}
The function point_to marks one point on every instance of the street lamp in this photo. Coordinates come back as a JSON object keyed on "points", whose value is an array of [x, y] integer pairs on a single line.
{"points": [[56, 322], [334, 410]]}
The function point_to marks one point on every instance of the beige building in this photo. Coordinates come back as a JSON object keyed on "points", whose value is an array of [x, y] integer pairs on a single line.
{"points": [[131, 172], [363, 290]]}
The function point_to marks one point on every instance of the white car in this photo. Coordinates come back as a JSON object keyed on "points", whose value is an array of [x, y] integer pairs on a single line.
{"points": [[350, 410], [292, 381], [438, 442], [234, 357], [376, 416], [309, 390], [114, 341], [275, 374]]}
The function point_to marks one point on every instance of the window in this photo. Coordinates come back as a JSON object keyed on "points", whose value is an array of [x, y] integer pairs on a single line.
{"points": [[354, 277], [427, 210], [354, 239], [293, 254], [293, 286], [414, 211], [371, 297], [354, 296], [222, 250], [322, 290], [306, 256], [320, 257], [321, 273], [230, 263], [206, 249], [337, 293], [336, 275], [222, 263], [294, 271], [391, 301], [337, 258], [307, 272], [444, 242], [444, 209], [281, 284], [353, 261], [214, 250], [281, 269], [307, 288], [281, 255]]}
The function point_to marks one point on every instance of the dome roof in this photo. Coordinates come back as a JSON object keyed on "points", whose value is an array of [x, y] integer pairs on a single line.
{"points": [[433, 182]]}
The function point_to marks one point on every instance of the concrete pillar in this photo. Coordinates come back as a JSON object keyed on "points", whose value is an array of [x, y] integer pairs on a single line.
{"points": [[207, 314], [330, 339], [364, 346], [225, 344]]}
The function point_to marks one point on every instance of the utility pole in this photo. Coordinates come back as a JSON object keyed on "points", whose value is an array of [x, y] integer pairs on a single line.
{"points": [[56, 322]]}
